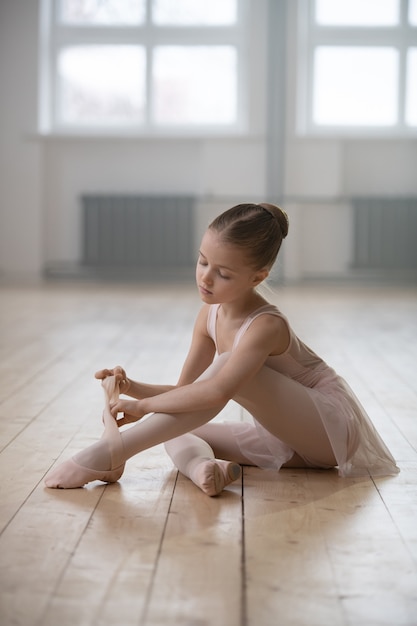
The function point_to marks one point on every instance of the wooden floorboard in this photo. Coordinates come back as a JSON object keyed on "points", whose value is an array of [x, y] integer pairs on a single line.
{"points": [[289, 575], [295, 548], [198, 575]]}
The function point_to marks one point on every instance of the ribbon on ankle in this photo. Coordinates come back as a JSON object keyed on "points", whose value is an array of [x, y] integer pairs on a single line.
{"points": [[111, 429]]}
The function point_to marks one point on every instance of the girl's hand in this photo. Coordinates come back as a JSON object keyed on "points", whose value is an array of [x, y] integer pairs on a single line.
{"points": [[119, 373], [131, 411]]}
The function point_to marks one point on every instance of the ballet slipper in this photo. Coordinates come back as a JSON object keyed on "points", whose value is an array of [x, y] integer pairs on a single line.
{"points": [[213, 475], [70, 474]]}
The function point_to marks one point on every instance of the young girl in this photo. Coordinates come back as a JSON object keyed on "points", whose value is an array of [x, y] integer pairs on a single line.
{"points": [[304, 414]]}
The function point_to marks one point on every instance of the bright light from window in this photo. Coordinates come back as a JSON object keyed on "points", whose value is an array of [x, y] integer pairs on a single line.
{"points": [[357, 12], [194, 12], [411, 92], [355, 86], [412, 12], [101, 85], [103, 13], [143, 64], [195, 85]]}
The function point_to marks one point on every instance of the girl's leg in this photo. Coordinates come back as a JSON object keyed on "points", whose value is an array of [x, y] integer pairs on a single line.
{"points": [[222, 440], [221, 437], [197, 455], [195, 458], [95, 462], [285, 408]]}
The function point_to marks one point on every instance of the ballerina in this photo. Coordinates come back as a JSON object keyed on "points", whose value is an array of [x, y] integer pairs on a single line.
{"points": [[243, 348]]}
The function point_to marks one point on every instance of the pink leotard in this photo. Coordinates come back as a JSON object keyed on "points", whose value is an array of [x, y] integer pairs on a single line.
{"points": [[356, 444]]}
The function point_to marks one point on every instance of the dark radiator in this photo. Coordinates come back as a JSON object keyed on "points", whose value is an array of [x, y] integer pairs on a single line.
{"points": [[134, 231]]}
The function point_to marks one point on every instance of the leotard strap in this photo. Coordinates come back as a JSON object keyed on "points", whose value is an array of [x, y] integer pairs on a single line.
{"points": [[266, 309], [212, 318]]}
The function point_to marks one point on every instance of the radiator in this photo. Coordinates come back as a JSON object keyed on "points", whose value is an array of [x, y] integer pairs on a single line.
{"points": [[385, 233], [144, 232]]}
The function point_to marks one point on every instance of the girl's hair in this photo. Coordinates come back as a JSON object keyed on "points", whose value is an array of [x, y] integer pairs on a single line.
{"points": [[258, 228]]}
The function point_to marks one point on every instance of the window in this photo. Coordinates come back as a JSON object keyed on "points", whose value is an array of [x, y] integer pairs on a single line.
{"points": [[358, 67], [144, 66]]}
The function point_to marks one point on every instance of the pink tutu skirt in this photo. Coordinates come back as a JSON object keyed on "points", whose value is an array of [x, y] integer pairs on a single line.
{"points": [[357, 446]]}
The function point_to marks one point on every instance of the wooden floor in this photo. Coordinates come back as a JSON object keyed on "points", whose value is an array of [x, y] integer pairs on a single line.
{"points": [[294, 548]]}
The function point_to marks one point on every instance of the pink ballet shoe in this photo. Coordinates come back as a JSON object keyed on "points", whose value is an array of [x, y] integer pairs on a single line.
{"points": [[70, 475], [212, 476]]}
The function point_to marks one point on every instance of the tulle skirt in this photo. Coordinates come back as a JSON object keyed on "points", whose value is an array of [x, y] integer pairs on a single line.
{"points": [[357, 446]]}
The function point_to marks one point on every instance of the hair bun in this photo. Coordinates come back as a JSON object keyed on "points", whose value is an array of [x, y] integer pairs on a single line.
{"points": [[280, 215]]}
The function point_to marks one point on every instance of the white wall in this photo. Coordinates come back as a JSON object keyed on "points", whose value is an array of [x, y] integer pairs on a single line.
{"points": [[232, 168], [21, 179], [41, 179]]}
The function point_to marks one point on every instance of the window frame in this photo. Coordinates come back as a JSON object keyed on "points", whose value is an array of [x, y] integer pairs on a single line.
{"points": [[311, 35], [55, 36]]}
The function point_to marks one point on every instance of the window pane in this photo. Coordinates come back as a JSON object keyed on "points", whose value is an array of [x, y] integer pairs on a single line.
{"points": [[412, 12], [355, 86], [194, 12], [195, 85], [101, 85], [411, 93], [357, 12], [105, 13]]}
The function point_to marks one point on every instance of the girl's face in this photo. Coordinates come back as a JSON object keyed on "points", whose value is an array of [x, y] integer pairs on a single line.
{"points": [[223, 273]]}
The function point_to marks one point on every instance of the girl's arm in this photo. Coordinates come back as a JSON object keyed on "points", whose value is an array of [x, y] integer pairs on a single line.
{"points": [[130, 387], [140, 390], [266, 335]]}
